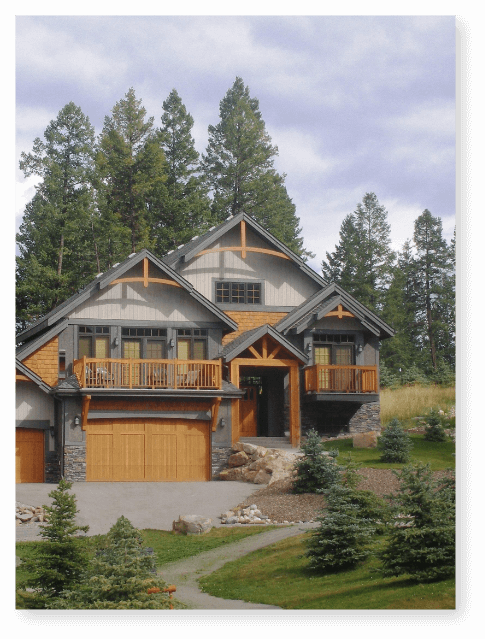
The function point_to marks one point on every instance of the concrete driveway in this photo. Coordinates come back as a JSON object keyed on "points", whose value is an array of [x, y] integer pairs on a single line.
{"points": [[145, 504]]}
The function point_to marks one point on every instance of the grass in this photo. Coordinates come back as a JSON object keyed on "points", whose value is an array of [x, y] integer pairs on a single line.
{"points": [[407, 402], [439, 455], [279, 575]]}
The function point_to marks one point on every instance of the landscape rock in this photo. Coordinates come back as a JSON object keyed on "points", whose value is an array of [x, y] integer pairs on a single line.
{"points": [[365, 440], [261, 465], [192, 524]]}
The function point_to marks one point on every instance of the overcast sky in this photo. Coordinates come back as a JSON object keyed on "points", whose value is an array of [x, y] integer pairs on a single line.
{"points": [[354, 104]]}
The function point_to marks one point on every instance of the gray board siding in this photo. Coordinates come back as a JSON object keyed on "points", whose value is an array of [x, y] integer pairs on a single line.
{"points": [[360, 398], [33, 403], [153, 414]]}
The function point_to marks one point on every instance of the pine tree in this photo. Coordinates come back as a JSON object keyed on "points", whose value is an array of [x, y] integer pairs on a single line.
{"points": [[239, 169], [344, 533], [395, 443], [434, 281], [55, 239], [362, 263], [132, 170], [186, 209], [122, 576], [422, 539], [316, 470], [60, 561]]}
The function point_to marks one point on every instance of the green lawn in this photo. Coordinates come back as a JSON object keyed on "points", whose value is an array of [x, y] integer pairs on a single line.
{"points": [[439, 455], [279, 575]]}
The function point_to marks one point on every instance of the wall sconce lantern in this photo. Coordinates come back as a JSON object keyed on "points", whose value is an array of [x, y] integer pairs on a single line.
{"points": [[77, 421], [117, 341], [309, 347], [360, 348], [52, 432], [172, 343]]}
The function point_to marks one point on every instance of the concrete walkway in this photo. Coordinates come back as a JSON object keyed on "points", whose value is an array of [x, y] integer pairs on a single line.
{"points": [[184, 574]]}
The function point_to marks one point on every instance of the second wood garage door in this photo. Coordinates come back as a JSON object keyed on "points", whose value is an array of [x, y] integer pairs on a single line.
{"points": [[147, 450]]}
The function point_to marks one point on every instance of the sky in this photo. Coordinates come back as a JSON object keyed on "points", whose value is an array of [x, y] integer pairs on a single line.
{"points": [[355, 104]]}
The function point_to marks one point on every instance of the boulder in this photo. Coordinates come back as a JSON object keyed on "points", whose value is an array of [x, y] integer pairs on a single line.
{"points": [[365, 440], [231, 474], [192, 524], [237, 459]]}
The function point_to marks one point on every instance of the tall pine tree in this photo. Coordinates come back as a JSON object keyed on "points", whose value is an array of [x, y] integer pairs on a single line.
{"points": [[186, 209], [132, 171], [55, 240], [239, 169], [362, 263]]}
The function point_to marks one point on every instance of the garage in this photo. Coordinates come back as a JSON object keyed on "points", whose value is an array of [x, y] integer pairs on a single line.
{"points": [[29, 456], [147, 450]]}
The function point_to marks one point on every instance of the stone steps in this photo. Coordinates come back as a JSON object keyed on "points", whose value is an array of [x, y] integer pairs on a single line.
{"points": [[269, 442]]}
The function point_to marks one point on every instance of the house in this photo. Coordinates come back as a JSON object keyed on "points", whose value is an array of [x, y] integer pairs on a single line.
{"points": [[153, 370]]}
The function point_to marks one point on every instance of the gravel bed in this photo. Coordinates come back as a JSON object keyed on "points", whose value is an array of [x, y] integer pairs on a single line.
{"points": [[277, 502]]}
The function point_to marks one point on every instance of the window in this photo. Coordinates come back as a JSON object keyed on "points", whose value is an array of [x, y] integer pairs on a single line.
{"points": [[94, 342], [144, 343], [192, 343], [238, 292], [333, 349]]}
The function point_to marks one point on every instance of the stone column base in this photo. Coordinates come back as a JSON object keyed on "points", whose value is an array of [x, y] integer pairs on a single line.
{"points": [[75, 463], [367, 417]]}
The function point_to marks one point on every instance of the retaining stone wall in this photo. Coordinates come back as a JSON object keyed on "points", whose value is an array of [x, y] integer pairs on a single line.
{"points": [[335, 418], [52, 468], [367, 418], [219, 460]]}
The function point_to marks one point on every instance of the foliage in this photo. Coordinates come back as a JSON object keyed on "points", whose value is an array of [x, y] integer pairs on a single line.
{"points": [[422, 544], [395, 443], [315, 470], [434, 431], [408, 402], [59, 561], [342, 538], [118, 577]]}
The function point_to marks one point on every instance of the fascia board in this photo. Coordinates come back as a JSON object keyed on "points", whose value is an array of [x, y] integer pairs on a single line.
{"points": [[266, 330], [28, 349], [32, 376], [212, 237]]}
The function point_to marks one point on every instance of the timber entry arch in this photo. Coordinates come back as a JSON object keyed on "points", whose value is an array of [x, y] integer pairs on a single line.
{"points": [[263, 351]]}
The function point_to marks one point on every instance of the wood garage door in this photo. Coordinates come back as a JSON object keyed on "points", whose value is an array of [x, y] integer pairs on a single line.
{"points": [[147, 450], [29, 456]]}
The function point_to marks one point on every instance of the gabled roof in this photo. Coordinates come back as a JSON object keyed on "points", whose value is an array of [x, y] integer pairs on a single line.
{"points": [[248, 338], [191, 249], [24, 370], [104, 279], [322, 302]]}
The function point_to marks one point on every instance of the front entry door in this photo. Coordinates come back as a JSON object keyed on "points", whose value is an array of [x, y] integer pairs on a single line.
{"points": [[248, 411]]}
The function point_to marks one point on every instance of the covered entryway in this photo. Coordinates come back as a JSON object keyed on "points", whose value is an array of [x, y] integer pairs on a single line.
{"points": [[147, 450], [29, 456], [266, 354]]}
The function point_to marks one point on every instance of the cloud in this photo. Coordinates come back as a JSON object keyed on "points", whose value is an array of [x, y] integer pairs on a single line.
{"points": [[299, 153]]}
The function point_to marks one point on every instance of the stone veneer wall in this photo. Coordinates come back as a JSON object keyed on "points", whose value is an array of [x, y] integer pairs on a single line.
{"points": [[75, 463], [367, 418], [52, 468], [219, 460]]}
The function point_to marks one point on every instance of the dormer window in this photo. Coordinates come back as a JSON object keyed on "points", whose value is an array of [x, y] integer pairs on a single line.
{"points": [[238, 293]]}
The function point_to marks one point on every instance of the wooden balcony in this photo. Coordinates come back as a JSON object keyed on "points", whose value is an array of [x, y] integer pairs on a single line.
{"points": [[323, 378], [148, 373]]}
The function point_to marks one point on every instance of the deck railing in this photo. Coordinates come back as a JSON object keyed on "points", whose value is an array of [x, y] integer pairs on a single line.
{"points": [[323, 378], [148, 373]]}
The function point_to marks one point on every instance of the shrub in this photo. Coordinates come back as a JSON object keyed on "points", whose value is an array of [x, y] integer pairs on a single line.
{"points": [[59, 561], [434, 431], [395, 443], [315, 470], [119, 576], [343, 535], [422, 539]]}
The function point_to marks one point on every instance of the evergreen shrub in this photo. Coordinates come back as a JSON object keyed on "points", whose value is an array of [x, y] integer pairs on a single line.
{"points": [[395, 443], [434, 431], [316, 470]]}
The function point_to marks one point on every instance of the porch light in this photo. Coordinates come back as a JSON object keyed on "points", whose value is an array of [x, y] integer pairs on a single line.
{"points": [[117, 341], [77, 421], [359, 349], [172, 343]]}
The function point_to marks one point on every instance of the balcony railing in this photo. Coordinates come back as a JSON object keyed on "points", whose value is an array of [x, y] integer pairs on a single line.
{"points": [[323, 378], [148, 373]]}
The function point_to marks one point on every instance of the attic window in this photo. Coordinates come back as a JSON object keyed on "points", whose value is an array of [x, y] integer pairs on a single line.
{"points": [[238, 293], [326, 338]]}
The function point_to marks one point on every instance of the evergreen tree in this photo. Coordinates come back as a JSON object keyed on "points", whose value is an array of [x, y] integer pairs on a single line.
{"points": [[343, 536], [186, 209], [316, 470], [422, 544], [59, 562], [362, 263], [395, 443], [122, 576], [55, 238], [239, 169], [132, 170], [434, 282]]}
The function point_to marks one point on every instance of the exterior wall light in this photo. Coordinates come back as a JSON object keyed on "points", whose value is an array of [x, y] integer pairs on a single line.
{"points": [[77, 421], [360, 348]]}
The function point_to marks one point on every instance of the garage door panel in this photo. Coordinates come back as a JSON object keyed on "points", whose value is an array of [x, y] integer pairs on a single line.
{"points": [[29, 456], [148, 450]]}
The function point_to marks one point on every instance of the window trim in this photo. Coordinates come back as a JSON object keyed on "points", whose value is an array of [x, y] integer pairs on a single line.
{"points": [[245, 283], [92, 334], [190, 334], [144, 339], [334, 345]]}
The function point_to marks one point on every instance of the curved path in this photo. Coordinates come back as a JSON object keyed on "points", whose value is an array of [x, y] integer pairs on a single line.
{"points": [[185, 573]]}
